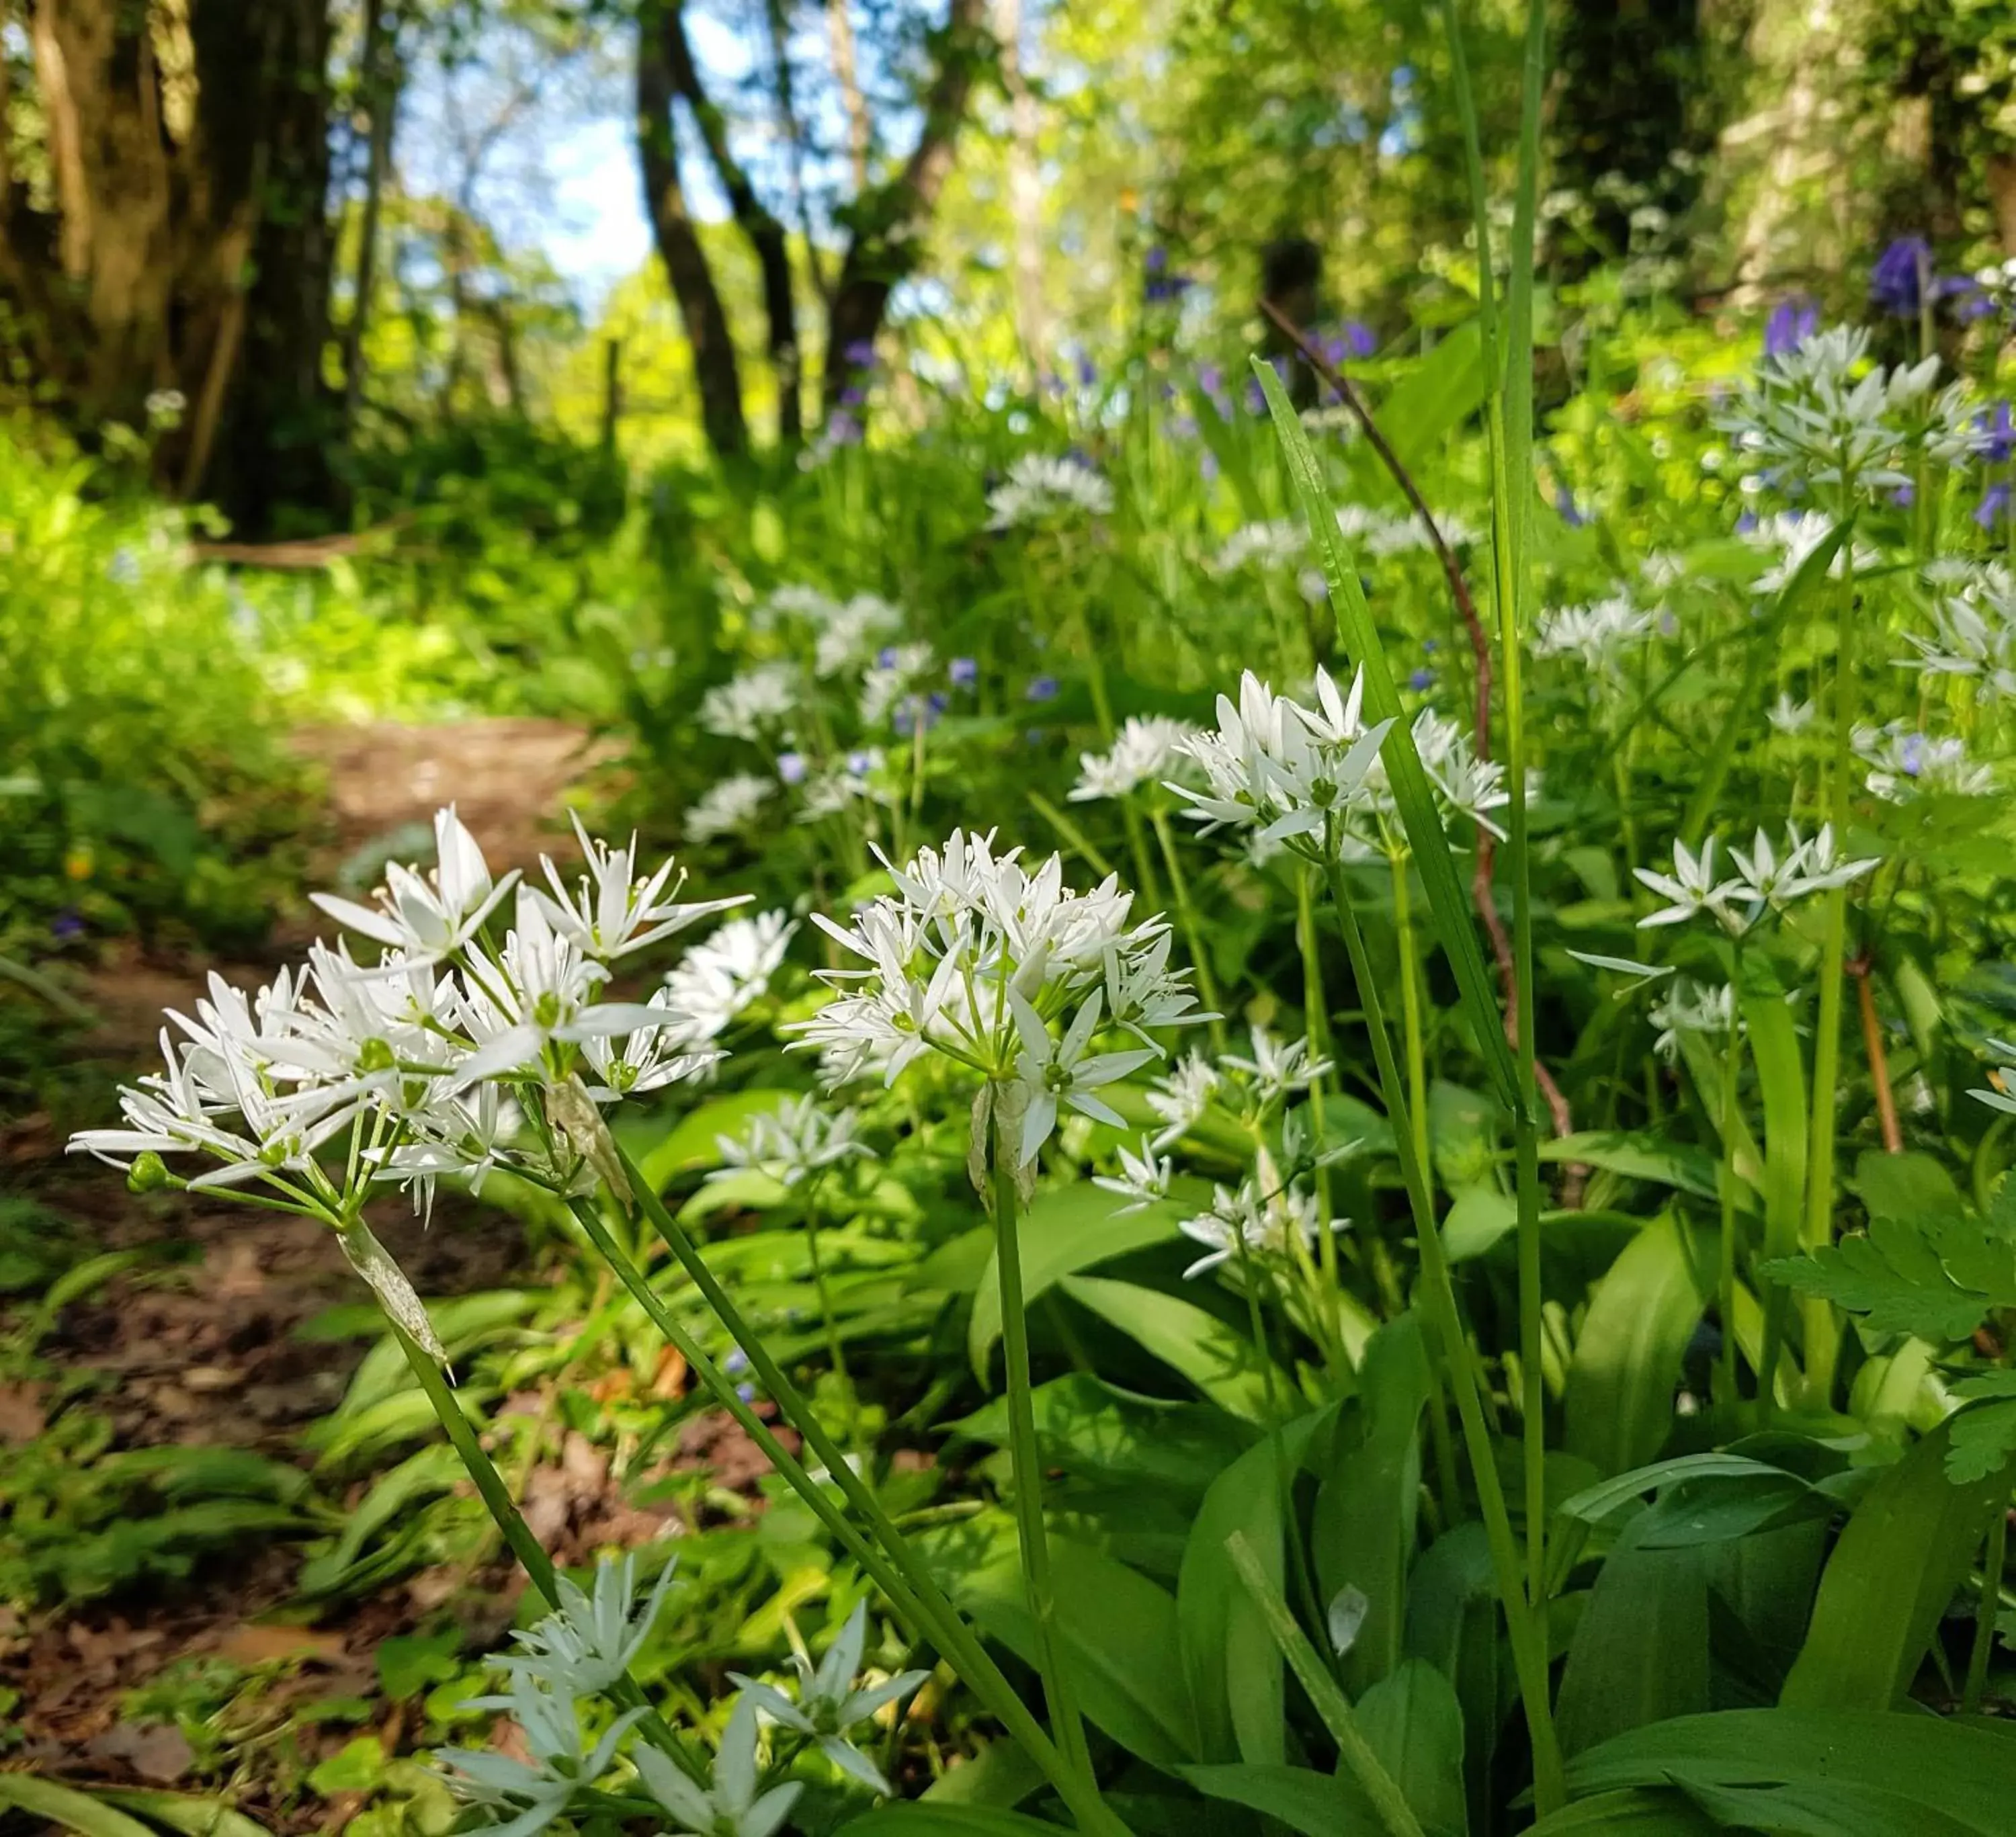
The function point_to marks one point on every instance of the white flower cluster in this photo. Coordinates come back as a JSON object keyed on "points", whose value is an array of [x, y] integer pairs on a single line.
{"points": [[793, 1144], [1974, 635], [1691, 1007], [727, 806], [1252, 1222], [425, 1059], [1146, 750], [1825, 411], [728, 972], [896, 673], [1904, 764], [1312, 778], [1766, 879], [755, 703], [975, 957], [1599, 633], [1385, 533], [1042, 490], [843, 634], [1790, 537], [1262, 546], [1789, 717]]}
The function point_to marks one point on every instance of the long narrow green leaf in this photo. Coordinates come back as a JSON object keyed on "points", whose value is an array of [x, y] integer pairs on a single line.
{"points": [[1448, 905], [65, 1805]]}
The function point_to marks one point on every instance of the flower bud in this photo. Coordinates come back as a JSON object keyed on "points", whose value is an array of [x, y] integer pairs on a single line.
{"points": [[149, 1174]]}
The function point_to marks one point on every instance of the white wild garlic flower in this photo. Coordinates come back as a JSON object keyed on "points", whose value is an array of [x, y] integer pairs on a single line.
{"points": [[1146, 750], [1041, 490]]}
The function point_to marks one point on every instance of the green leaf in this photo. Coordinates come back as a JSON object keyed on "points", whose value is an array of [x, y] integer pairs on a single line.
{"points": [[1449, 904], [1001, 1774], [1220, 1362], [1119, 1629], [1640, 1650], [692, 1145], [1439, 391], [1230, 1657], [1478, 1218], [1628, 1814], [1452, 1622], [1413, 1723], [1983, 1438], [354, 1768], [66, 1806], [409, 1663], [1821, 1808], [1937, 1275], [1637, 1157], [1068, 1229], [1619, 1398], [1363, 1534], [436, 1468], [920, 1819], [1909, 1185], [1903, 1554], [1314, 1804], [1593, 1505], [1781, 1081], [1951, 1770]]}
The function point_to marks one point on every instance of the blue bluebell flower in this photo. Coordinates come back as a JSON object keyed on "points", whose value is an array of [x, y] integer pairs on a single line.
{"points": [[1041, 688], [1993, 508], [964, 672], [1996, 432], [1791, 323], [1896, 282], [1571, 512], [791, 767], [1423, 680]]}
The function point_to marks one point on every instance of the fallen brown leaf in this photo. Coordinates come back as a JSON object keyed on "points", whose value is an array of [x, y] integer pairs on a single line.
{"points": [[255, 1644], [21, 1416]]}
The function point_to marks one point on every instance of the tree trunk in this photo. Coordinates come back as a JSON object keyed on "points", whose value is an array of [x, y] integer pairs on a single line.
{"points": [[1025, 186], [715, 368], [840, 30], [186, 247], [889, 220], [379, 67], [753, 218]]}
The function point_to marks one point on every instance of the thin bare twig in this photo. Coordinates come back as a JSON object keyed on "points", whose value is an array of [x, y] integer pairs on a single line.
{"points": [[1480, 885]]}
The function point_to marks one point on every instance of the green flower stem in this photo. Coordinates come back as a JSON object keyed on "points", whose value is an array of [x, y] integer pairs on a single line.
{"points": [[1410, 1007], [1186, 918], [895, 1567], [1726, 1270], [1992, 1560], [1354, 1751], [1028, 1461], [1316, 1024], [1137, 846], [835, 1352], [1822, 1328], [1523, 1621], [530, 1553]]}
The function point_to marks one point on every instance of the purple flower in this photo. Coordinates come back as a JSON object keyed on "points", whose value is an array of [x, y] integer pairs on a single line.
{"points": [[1896, 282], [735, 1362], [1571, 512], [851, 396], [860, 764], [1997, 433], [1746, 522], [1210, 380], [1207, 467], [1088, 371], [1183, 427], [1911, 756], [842, 429], [1431, 645], [1993, 508], [1359, 340], [1041, 688], [1791, 323], [67, 925], [915, 708], [859, 355], [747, 1393], [791, 767], [1422, 680], [885, 659], [1905, 496], [964, 673]]}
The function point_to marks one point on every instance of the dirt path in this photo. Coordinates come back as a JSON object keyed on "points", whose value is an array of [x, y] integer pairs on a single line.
{"points": [[196, 1343]]}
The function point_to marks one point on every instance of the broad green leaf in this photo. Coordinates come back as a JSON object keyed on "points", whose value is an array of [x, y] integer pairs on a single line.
{"points": [[1452, 1622], [1628, 1814], [1068, 1229], [1781, 1082], [1626, 1364], [1000, 1775], [460, 1325], [1983, 1437], [1593, 1505], [1220, 1362], [1820, 1808], [1414, 1724], [1449, 904], [1890, 1577], [1363, 1534], [1640, 1650], [1637, 1157], [1229, 1657], [1909, 1185], [1478, 1218], [920, 1819], [1090, 1429], [1314, 1804], [1439, 391], [436, 1468], [65, 1805], [1119, 1629], [692, 1144], [1952, 1770]]}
